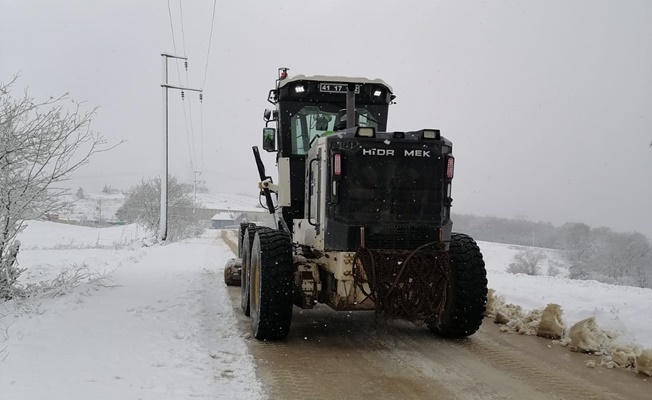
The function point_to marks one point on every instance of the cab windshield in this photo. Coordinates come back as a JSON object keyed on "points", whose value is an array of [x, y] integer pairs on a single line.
{"points": [[312, 121]]}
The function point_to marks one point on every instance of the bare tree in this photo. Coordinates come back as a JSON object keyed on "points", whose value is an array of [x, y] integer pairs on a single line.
{"points": [[626, 258], [143, 206], [41, 144], [527, 261]]}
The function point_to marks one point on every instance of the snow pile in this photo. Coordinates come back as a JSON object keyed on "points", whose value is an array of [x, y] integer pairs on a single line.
{"points": [[512, 317], [551, 325], [644, 363], [584, 336], [624, 356]]}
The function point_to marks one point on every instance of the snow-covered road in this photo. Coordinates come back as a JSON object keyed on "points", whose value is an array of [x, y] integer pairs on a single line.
{"points": [[162, 329]]}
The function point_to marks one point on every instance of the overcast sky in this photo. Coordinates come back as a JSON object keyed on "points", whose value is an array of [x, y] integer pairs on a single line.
{"points": [[548, 103]]}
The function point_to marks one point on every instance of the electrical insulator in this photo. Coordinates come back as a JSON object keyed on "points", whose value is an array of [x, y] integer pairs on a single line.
{"points": [[186, 62], [182, 95], [201, 97]]}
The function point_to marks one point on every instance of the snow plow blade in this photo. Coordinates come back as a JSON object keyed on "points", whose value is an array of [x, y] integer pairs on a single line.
{"points": [[232, 272]]}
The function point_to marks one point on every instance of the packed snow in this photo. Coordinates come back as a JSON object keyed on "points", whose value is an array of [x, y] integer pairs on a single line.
{"points": [[148, 322], [156, 321]]}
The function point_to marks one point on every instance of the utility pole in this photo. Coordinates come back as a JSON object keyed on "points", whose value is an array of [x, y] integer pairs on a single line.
{"points": [[163, 229]]}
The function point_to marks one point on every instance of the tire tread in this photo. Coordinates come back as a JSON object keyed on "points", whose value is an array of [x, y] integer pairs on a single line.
{"points": [[468, 288], [276, 290]]}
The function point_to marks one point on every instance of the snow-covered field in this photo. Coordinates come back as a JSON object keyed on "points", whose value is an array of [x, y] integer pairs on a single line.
{"points": [[94, 207], [156, 322]]}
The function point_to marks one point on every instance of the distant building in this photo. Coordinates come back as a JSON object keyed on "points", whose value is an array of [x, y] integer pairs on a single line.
{"points": [[225, 219], [51, 217]]}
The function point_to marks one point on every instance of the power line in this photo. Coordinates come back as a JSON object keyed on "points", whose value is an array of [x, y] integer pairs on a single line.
{"points": [[188, 140], [201, 106], [192, 133], [183, 33], [185, 116], [210, 39], [174, 44], [193, 153]]}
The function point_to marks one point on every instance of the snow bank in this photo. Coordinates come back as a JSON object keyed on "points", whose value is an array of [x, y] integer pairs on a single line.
{"points": [[551, 325], [644, 363], [584, 336]]}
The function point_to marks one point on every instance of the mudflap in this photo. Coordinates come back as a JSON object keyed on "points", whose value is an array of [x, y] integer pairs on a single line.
{"points": [[233, 272]]}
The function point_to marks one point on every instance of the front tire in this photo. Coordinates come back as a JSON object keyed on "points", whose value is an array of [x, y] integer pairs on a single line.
{"points": [[271, 285], [228, 276], [466, 292], [245, 252]]}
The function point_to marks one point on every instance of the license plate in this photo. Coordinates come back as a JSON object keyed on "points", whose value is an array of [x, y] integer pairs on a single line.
{"points": [[336, 88]]}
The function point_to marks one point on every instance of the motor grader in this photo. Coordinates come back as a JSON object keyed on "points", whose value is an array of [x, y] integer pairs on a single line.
{"points": [[362, 215]]}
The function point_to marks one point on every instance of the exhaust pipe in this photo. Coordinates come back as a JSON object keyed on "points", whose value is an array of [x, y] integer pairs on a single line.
{"points": [[350, 105]]}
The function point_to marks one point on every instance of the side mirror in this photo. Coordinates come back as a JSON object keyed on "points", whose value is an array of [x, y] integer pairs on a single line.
{"points": [[272, 97], [269, 139]]}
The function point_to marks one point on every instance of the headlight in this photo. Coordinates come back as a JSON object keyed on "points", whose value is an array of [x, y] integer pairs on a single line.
{"points": [[366, 131], [431, 134]]}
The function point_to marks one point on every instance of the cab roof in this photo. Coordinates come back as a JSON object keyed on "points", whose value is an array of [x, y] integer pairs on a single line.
{"points": [[335, 79]]}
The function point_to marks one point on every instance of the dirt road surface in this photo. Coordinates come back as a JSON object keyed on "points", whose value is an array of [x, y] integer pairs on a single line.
{"points": [[354, 355]]}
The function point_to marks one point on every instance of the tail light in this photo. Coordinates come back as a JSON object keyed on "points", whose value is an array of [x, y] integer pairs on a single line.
{"points": [[450, 167], [337, 164], [337, 176]]}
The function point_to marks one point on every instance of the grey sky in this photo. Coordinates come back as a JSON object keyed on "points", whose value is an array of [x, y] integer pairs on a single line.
{"points": [[548, 104]]}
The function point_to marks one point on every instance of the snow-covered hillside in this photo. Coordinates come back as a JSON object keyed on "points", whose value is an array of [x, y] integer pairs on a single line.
{"points": [[93, 207]]}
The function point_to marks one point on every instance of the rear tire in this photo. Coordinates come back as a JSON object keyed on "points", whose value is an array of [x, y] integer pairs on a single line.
{"points": [[271, 285], [243, 228], [466, 293], [245, 253]]}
